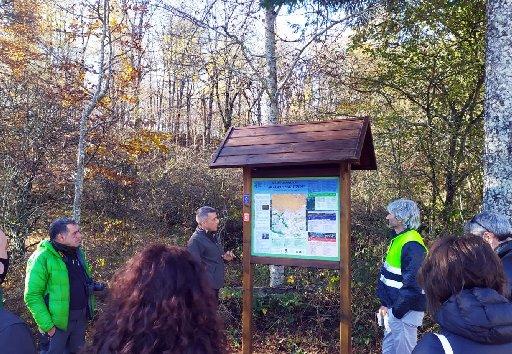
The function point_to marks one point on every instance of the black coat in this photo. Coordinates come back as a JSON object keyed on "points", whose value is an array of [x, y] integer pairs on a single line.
{"points": [[504, 251], [475, 321], [205, 248], [15, 336]]}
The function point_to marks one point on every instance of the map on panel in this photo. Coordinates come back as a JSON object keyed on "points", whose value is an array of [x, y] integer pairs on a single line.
{"points": [[296, 218]]}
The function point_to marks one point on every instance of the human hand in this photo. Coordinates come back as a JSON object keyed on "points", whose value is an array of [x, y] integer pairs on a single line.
{"points": [[383, 311], [51, 332], [228, 256], [99, 286]]}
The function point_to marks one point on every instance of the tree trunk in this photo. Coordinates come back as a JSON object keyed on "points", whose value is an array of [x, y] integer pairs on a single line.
{"points": [[209, 118], [101, 89], [276, 272], [498, 108], [179, 106], [189, 112], [270, 55]]}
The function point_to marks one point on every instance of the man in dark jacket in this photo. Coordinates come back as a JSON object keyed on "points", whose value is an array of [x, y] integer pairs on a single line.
{"points": [[403, 303], [206, 248], [15, 336], [496, 230]]}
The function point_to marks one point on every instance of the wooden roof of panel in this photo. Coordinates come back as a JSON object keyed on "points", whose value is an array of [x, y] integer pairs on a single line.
{"points": [[347, 139]]}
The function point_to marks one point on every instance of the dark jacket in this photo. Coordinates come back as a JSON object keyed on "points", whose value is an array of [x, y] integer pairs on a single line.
{"points": [[504, 251], [410, 295], [15, 336], [475, 321], [206, 249]]}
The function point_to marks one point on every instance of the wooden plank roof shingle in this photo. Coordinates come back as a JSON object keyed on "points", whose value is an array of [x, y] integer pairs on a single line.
{"points": [[328, 142]]}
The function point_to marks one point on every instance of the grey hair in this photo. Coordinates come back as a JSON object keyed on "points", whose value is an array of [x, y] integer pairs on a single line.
{"points": [[406, 211], [497, 224], [202, 213]]}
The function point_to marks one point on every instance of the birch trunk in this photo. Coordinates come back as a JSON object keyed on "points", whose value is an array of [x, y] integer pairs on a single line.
{"points": [[276, 272], [99, 93], [498, 109], [270, 55]]}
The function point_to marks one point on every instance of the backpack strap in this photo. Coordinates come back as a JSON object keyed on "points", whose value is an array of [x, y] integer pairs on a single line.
{"points": [[445, 343]]}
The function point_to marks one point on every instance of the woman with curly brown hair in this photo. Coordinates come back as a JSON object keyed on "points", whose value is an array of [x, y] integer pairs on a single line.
{"points": [[467, 296], [160, 302]]}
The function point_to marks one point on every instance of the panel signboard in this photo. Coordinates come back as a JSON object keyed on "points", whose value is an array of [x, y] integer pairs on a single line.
{"points": [[296, 218]]}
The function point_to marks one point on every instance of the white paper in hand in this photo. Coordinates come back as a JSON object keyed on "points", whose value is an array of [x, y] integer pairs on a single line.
{"points": [[386, 323], [383, 321]]}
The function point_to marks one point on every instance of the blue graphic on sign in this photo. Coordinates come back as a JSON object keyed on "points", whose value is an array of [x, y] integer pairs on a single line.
{"points": [[303, 186]]}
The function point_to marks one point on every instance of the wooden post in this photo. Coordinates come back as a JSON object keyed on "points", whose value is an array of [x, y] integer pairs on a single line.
{"points": [[345, 294], [247, 267]]}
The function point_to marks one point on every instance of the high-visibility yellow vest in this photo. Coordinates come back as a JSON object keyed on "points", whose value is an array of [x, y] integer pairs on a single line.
{"points": [[393, 262]]}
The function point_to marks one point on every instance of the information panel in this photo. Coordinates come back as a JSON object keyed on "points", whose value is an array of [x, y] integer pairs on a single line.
{"points": [[296, 218]]}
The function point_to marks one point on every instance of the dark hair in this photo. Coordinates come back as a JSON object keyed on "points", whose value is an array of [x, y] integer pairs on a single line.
{"points": [[59, 226], [457, 263], [160, 302]]}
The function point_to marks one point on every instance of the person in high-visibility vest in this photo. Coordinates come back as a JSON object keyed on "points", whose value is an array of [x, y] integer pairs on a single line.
{"points": [[403, 302]]}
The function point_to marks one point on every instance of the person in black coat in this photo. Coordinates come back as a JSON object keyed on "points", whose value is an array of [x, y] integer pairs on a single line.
{"points": [[206, 249], [496, 230], [467, 295], [15, 336]]}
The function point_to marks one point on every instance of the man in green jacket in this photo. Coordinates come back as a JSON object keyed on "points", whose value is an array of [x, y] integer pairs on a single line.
{"points": [[59, 288]]}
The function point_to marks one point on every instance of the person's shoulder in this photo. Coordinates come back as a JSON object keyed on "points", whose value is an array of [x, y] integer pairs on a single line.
{"points": [[414, 244], [428, 344], [41, 255], [197, 237], [36, 255], [198, 234], [413, 248], [16, 337], [8, 318], [507, 257], [507, 265]]}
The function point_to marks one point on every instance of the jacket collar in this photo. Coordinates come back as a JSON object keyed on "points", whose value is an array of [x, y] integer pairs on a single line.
{"points": [[47, 245], [209, 234], [393, 235], [504, 249]]}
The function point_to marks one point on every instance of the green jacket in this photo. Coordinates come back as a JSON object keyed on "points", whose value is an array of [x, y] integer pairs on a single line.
{"points": [[47, 287]]}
